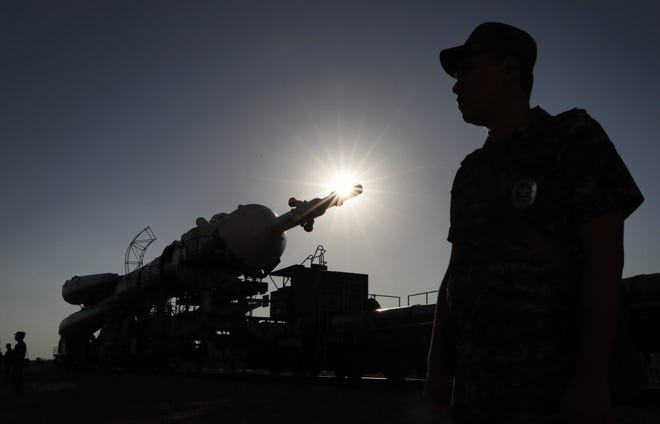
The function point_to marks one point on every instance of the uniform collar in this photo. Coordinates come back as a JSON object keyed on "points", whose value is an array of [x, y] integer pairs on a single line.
{"points": [[535, 124]]}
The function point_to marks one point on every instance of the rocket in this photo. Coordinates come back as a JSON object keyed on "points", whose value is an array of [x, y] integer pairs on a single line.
{"points": [[206, 260]]}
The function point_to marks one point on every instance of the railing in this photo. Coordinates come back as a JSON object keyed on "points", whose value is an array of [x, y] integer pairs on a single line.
{"points": [[425, 294], [317, 258], [374, 296]]}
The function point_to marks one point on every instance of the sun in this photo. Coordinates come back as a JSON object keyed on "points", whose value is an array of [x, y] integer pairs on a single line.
{"points": [[342, 184]]}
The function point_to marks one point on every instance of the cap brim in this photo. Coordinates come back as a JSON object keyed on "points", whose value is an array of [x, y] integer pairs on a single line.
{"points": [[451, 58]]}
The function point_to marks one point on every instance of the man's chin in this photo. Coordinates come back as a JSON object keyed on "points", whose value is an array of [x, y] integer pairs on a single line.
{"points": [[472, 118]]}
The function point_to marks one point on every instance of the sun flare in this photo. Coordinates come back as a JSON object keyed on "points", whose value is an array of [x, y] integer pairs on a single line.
{"points": [[343, 185]]}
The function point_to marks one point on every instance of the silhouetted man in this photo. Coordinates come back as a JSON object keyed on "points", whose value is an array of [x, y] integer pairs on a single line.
{"points": [[19, 354], [531, 292], [9, 355]]}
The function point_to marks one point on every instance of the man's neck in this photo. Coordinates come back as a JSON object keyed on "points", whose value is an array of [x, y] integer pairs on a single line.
{"points": [[508, 119]]}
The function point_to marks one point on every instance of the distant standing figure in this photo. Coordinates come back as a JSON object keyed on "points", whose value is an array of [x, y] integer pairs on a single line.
{"points": [[20, 352], [9, 355]]}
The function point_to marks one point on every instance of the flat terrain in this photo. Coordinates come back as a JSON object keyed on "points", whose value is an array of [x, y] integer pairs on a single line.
{"points": [[55, 396], [52, 395]]}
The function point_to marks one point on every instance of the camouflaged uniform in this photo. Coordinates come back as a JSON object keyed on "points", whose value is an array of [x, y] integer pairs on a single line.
{"points": [[516, 315]]}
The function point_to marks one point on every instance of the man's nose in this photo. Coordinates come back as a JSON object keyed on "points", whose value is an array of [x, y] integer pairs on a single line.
{"points": [[456, 87]]}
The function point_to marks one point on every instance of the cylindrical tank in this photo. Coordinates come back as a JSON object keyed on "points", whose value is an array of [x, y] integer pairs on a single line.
{"points": [[88, 289]]}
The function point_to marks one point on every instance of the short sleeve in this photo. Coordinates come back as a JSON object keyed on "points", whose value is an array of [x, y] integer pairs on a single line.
{"points": [[452, 235], [465, 199], [599, 180]]}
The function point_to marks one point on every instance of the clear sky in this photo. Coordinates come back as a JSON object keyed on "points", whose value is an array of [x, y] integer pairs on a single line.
{"points": [[115, 115]]}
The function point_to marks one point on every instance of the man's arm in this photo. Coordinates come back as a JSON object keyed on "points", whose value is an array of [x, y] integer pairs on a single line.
{"points": [[587, 397], [436, 388]]}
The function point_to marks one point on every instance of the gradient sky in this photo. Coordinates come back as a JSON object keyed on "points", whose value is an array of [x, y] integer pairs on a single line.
{"points": [[115, 115]]}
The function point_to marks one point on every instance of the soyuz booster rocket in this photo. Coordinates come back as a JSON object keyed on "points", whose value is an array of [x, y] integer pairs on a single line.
{"points": [[207, 260]]}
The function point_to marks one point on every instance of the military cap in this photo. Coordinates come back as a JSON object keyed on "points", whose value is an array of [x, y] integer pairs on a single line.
{"points": [[492, 37]]}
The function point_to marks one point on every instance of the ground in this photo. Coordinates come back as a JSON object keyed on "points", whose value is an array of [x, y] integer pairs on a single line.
{"points": [[53, 395]]}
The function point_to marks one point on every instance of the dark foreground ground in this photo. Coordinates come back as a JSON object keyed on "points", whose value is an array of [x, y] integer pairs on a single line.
{"points": [[54, 396]]}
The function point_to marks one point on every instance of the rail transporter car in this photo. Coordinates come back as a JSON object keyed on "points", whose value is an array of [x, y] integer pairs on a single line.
{"points": [[319, 321]]}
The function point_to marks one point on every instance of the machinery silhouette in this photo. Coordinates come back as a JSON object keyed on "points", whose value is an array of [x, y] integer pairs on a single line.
{"points": [[204, 264]]}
